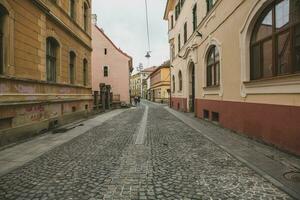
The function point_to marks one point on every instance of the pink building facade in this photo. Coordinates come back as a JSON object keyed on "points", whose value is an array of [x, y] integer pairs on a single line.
{"points": [[110, 65]]}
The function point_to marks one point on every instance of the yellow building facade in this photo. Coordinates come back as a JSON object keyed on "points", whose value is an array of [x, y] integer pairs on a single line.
{"points": [[237, 63], [45, 68], [160, 84]]}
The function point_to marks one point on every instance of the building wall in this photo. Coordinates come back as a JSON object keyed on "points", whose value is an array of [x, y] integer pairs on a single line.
{"points": [[28, 103], [118, 63], [160, 84], [135, 85], [229, 26]]}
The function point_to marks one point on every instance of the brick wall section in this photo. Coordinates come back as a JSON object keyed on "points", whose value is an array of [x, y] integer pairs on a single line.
{"points": [[179, 104], [274, 124]]}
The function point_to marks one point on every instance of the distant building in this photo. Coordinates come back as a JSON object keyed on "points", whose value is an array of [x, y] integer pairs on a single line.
{"points": [[237, 63], [45, 65], [138, 82], [110, 65], [160, 84]]}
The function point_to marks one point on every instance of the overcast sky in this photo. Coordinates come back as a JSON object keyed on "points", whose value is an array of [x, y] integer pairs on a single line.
{"points": [[124, 21]]}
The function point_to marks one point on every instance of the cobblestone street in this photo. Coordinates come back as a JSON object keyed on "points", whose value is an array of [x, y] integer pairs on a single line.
{"points": [[143, 153]]}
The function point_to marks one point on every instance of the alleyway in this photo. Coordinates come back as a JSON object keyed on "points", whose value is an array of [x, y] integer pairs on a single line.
{"points": [[143, 153]]}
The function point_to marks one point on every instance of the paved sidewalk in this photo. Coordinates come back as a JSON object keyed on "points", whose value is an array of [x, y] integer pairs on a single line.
{"points": [[20, 154], [269, 162]]}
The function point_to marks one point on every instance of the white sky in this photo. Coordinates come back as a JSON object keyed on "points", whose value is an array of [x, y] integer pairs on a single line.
{"points": [[124, 21]]}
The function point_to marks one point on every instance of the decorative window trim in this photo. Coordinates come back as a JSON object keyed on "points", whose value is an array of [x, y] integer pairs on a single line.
{"points": [[275, 85], [213, 90], [8, 41]]}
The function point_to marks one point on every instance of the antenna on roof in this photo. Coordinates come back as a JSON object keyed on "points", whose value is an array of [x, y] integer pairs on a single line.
{"points": [[140, 67]]}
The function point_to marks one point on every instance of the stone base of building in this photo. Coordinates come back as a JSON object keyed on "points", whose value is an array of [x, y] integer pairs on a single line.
{"points": [[24, 121], [276, 125], [179, 104]]}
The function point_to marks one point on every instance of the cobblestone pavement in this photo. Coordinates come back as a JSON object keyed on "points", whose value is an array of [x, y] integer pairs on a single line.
{"points": [[173, 162]]}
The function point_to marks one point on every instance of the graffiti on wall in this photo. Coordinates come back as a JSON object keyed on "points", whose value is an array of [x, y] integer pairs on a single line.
{"points": [[35, 113]]}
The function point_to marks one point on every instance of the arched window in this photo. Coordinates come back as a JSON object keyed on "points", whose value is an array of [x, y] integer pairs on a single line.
{"points": [[173, 83], [105, 71], [180, 80], [85, 16], [85, 72], [72, 9], [72, 67], [275, 42], [3, 15], [51, 58], [213, 67], [209, 4]]}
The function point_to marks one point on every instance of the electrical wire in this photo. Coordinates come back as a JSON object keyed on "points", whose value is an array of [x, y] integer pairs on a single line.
{"points": [[148, 32]]}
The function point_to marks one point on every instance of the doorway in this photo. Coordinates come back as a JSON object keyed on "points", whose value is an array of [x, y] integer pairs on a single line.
{"points": [[192, 92]]}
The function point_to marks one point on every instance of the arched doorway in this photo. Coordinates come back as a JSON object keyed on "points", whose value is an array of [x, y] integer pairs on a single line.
{"points": [[192, 92]]}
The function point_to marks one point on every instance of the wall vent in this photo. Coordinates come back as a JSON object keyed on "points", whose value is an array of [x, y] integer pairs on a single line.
{"points": [[206, 114]]}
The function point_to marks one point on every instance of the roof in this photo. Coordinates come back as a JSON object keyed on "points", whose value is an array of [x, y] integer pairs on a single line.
{"points": [[169, 5], [118, 49], [150, 69], [166, 64]]}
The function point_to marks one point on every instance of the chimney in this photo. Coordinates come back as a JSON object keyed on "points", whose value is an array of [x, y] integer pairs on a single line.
{"points": [[94, 19]]}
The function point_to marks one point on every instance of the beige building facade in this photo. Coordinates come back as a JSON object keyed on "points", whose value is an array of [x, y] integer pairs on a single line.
{"points": [[138, 82], [160, 84], [237, 63], [45, 65]]}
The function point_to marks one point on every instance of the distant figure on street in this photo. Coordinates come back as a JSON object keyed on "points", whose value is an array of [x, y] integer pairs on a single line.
{"points": [[139, 100], [135, 100]]}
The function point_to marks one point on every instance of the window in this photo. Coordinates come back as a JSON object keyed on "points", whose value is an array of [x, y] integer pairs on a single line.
{"points": [[173, 82], [213, 67], [195, 23], [105, 71], [105, 51], [72, 67], [180, 80], [179, 43], [172, 22], [85, 72], [51, 58], [182, 2], [85, 16], [205, 114], [177, 11], [1, 54], [210, 4], [275, 41], [185, 33], [3, 15], [215, 117], [72, 9]]}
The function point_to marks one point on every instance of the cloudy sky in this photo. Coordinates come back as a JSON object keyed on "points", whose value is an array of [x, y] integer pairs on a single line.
{"points": [[124, 21]]}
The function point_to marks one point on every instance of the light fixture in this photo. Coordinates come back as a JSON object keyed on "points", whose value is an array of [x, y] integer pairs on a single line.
{"points": [[148, 55], [199, 34]]}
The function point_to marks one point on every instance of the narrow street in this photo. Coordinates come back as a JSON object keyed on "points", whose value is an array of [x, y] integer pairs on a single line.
{"points": [[143, 153]]}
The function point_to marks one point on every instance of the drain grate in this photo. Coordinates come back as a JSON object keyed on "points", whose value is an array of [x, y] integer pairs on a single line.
{"points": [[292, 176]]}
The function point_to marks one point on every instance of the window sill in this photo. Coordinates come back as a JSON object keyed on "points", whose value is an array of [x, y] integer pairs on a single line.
{"points": [[213, 87], [212, 90], [286, 84]]}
